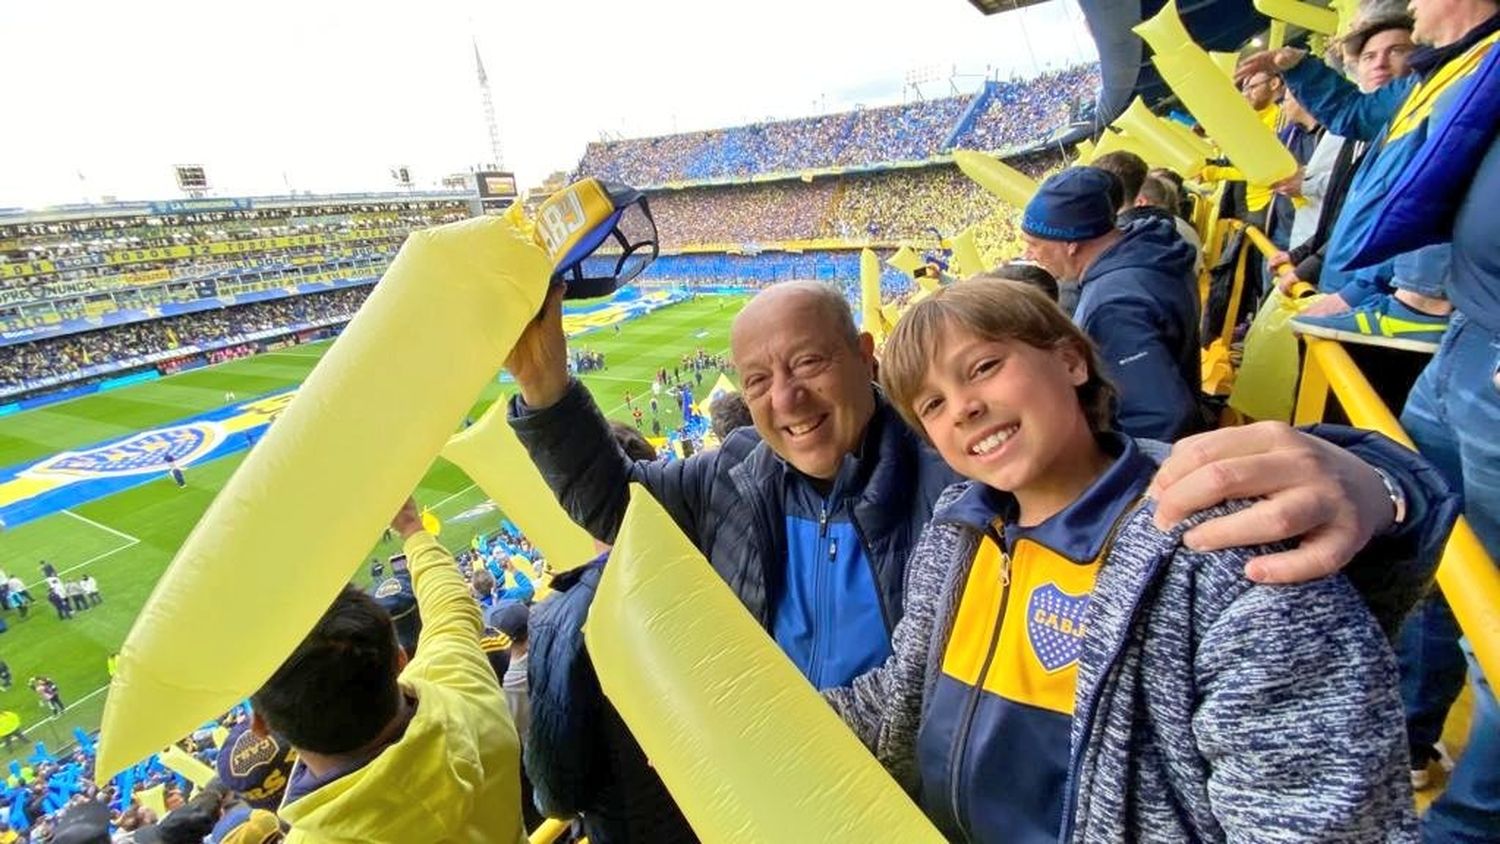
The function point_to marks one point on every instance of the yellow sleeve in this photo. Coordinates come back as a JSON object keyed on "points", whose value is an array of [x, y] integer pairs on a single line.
{"points": [[448, 650]]}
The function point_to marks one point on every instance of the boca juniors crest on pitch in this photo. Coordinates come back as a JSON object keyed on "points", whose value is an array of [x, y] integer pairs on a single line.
{"points": [[144, 452]]}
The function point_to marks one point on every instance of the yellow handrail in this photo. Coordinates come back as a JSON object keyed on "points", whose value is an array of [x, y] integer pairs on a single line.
{"points": [[550, 830], [1467, 575]]}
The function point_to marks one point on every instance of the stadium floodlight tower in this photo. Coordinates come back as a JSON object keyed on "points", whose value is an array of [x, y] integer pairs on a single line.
{"points": [[487, 100]]}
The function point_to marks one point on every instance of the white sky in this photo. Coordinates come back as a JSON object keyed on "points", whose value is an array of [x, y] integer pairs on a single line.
{"points": [[104, 96]]}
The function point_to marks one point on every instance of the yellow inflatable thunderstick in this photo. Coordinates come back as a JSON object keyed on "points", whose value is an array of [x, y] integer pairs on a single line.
{"points": [[493, 458], [869, 296], [1213, 101], [995, 176], [294, 521], [748, 749]]}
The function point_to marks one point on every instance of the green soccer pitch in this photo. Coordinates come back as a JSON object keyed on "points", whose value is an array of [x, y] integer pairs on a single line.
{"points": [[126, 540]]}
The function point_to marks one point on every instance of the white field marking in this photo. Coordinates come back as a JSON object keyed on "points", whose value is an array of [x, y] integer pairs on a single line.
{"points": [[74, 705], [106, 528]]}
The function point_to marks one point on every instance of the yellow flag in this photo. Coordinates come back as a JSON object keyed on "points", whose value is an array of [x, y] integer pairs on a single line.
{"points": [[293, 523], [748, 749], [966, 254], [906, 260], [155, 799]]}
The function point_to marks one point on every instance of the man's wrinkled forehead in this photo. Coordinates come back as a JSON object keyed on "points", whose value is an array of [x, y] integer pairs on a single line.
{"points": [[782, 327]]}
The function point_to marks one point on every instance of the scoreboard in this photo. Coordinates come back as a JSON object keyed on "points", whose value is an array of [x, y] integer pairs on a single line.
{"points": [[496, 190]]}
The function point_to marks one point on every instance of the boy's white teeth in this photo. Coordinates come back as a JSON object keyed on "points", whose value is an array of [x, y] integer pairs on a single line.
{"points": [[993, 441]]}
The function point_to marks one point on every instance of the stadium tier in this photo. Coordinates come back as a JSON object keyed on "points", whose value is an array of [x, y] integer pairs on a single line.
{"points": [[1006, 117], [80, 267]]}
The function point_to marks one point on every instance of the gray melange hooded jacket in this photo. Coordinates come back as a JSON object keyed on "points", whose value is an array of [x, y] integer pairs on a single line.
{"points": [[1208, 708]]}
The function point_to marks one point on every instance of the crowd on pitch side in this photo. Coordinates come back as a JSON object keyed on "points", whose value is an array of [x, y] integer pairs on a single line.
{"points": [[1016, 114]]}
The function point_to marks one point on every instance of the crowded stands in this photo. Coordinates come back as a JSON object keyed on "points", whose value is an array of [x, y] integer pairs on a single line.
{"points": [[86, 262], [25, 363], [1010, 116], [1030, 584]]}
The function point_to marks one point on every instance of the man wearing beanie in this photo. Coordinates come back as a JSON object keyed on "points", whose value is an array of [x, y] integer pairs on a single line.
{"points": [[1137, 298]]}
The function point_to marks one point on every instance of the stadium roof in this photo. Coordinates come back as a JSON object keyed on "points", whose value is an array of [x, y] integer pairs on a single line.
{"points": [[1125, 64], [991, 7], [56, 213]]}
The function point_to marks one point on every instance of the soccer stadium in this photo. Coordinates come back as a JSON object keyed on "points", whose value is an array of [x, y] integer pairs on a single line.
{"points": [[1118, 430]]}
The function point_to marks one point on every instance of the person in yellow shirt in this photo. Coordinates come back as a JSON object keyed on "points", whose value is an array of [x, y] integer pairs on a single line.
{"points": [[391, 750]]}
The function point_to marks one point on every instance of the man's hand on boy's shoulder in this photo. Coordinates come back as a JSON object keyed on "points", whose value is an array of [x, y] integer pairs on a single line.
{"points": [[408, 520], [1307, 488]]}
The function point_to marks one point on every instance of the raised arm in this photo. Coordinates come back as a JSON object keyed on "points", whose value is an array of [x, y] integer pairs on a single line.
{"points": [[568, 438]]}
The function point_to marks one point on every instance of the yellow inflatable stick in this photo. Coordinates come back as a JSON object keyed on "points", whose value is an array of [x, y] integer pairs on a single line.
{"points": [[294, 521], [1113, 140], [489, 453], [155, 799], [1085, 152], [1212, 99], [1200, 146], [966, 254], [1150, 131], [748, 749], [891, 312], [869, 295], [995, 176], [1306, 15], [188, 765], [1225, 62], [906, 260]]}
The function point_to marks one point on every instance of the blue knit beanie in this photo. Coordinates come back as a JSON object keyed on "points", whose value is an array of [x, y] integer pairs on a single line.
{"points": [[1072, 205]]}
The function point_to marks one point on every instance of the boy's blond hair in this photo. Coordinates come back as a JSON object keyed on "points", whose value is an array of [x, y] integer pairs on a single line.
{"points": [[992, 309]]}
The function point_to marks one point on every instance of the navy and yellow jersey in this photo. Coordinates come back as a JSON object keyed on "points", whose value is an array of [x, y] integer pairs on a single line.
{"points": [[994, 749]]}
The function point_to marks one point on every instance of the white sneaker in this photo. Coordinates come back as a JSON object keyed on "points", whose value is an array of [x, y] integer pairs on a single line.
{"points": [[1421, 778]]}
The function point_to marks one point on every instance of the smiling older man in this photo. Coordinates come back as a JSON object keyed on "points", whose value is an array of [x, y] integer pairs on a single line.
{"points": [[810, 516]]}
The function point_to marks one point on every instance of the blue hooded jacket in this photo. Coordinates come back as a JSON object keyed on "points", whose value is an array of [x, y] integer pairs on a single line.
{"points": [[1140, 306], [1376, 118]]}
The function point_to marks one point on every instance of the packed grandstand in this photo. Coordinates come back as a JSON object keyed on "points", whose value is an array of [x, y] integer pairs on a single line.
{"points": [[95, 299]]}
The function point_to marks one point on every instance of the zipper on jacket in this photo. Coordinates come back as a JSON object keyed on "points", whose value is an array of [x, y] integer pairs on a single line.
{"points": [[820, 600], [966, 723]]}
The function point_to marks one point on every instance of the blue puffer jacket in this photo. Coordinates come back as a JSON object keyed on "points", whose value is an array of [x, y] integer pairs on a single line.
{"points": [[1140, 306], [761, 525]]}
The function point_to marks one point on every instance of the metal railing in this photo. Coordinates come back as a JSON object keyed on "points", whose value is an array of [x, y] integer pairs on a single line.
{"points": [[1468, 577]]}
